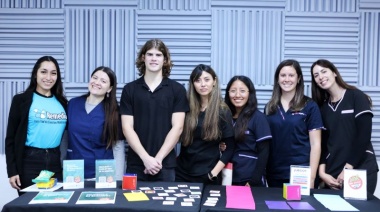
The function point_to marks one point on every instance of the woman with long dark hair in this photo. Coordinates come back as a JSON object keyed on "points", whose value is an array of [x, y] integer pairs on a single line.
{"points": [[295, 123], [347, 115], [37, 120], [208, 123], [252, 133], [94, 123]]}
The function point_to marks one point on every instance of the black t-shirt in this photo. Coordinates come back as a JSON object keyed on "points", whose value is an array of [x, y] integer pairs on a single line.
{"points": [[152, 115], [201, 156]]}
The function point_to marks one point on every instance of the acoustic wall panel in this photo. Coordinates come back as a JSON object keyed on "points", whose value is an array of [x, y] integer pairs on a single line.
{"points": [[369, 69], [190, 5], [101, 4], [25, 36], [8, 90], [32, 4], [99, 37], [322, 6], [369, 5], [333, 36], [186, 34], [374, 93], [251, 48], [251, 4]]}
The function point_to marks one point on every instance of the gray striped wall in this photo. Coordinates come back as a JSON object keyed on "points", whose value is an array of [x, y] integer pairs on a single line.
{"points": [[248, 37]]}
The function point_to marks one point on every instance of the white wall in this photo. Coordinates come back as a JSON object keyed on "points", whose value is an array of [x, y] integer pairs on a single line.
{"points": [[7, 193]]}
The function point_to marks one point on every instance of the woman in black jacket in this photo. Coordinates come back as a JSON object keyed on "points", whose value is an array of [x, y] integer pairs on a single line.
{"points": [[36, 122]]}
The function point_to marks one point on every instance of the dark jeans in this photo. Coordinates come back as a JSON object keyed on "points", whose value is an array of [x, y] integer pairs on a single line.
{"points": [[36, 160], [165, 174]]}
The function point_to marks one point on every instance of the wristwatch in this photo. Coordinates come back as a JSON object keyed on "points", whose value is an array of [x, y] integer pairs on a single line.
{"points": [[212, 177]]}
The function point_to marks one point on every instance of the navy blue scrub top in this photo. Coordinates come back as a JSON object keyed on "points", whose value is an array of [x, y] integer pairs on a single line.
{"points": [[290, 138]]}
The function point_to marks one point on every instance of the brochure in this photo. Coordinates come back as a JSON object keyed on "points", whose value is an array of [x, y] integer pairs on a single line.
{"points": [[355, 184], [300, 175], [52, 197], [73, 174], [105, 174], [97, 197]]}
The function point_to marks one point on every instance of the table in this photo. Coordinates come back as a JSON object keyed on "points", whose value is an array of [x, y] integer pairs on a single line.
{"points": [[121, 203], [260, 195]]}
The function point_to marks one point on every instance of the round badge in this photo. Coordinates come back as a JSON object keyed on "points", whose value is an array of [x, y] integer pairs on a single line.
{"points": [[355, 182]]}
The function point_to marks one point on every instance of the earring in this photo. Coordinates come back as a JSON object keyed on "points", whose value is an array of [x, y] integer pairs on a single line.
{"points": [[108, 95]]}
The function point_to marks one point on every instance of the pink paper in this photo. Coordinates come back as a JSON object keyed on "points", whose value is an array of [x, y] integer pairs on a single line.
{"points": [[240, 197]]}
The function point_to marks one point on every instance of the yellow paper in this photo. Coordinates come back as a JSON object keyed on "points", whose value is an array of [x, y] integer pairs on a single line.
{"points": [[138, 196]]}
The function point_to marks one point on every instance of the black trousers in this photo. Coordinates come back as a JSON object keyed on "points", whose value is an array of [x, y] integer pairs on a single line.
{"points": [[36, 160]]}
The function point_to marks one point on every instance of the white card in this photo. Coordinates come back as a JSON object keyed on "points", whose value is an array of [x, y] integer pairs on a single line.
{"points": [[300, 175], [355, 184]]}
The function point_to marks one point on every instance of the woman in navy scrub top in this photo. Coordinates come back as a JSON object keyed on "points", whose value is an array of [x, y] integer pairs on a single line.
{"points": [[93, 124], [296, 124], [347, 116], [252, 133]]}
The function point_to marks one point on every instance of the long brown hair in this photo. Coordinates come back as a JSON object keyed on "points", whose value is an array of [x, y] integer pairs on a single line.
{"points": [[320, 95], [111, 121], [210, 128], [298, 101]]}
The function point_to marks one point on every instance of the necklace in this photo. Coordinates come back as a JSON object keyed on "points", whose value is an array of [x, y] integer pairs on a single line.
{"points": [[333, 103]]}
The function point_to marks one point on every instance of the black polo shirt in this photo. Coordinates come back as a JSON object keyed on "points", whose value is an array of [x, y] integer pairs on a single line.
{"points": [[152, 115]]}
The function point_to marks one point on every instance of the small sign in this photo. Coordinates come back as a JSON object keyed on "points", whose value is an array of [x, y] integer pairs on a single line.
{"points": [[355, 184], [73, 174], [300, 175]]}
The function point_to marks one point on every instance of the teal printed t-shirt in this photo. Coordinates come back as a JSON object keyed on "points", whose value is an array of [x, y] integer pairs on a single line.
{"points": [[47, 121]]}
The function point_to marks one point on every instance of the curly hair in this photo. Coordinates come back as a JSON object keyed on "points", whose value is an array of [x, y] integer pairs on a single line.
{"points": [[160, 46]]}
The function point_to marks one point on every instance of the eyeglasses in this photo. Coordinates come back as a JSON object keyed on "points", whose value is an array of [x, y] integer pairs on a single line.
{"points": [[234, 92]]}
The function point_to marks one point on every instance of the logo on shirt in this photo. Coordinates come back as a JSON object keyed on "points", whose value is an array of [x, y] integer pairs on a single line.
{"points": [[43, 114]]}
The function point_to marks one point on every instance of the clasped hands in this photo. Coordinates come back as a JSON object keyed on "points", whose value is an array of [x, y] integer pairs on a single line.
{"points": [[152, 165]]}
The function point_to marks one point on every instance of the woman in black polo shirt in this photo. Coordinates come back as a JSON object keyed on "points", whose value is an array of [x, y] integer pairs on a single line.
{"points": [[347, 116], [207, 124]]}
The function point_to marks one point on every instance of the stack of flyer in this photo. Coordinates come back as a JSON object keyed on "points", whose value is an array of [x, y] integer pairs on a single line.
{"points": [[52, 197], [97, 197]]}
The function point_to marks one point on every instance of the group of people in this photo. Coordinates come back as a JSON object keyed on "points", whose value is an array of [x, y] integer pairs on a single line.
{"points": [[329, 132]]}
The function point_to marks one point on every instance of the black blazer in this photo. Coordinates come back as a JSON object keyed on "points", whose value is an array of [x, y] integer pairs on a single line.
{"points": [[17, 132]]}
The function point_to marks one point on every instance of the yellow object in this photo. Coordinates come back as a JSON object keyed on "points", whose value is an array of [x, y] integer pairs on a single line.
{"points": [[52, 182], [138, 196]]}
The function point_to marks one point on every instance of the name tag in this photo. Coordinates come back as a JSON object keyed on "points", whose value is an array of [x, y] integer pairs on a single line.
{"points": [[347, 111]]}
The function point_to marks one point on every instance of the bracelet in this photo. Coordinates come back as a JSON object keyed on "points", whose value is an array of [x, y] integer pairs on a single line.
{"points": [[212, 177]]}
